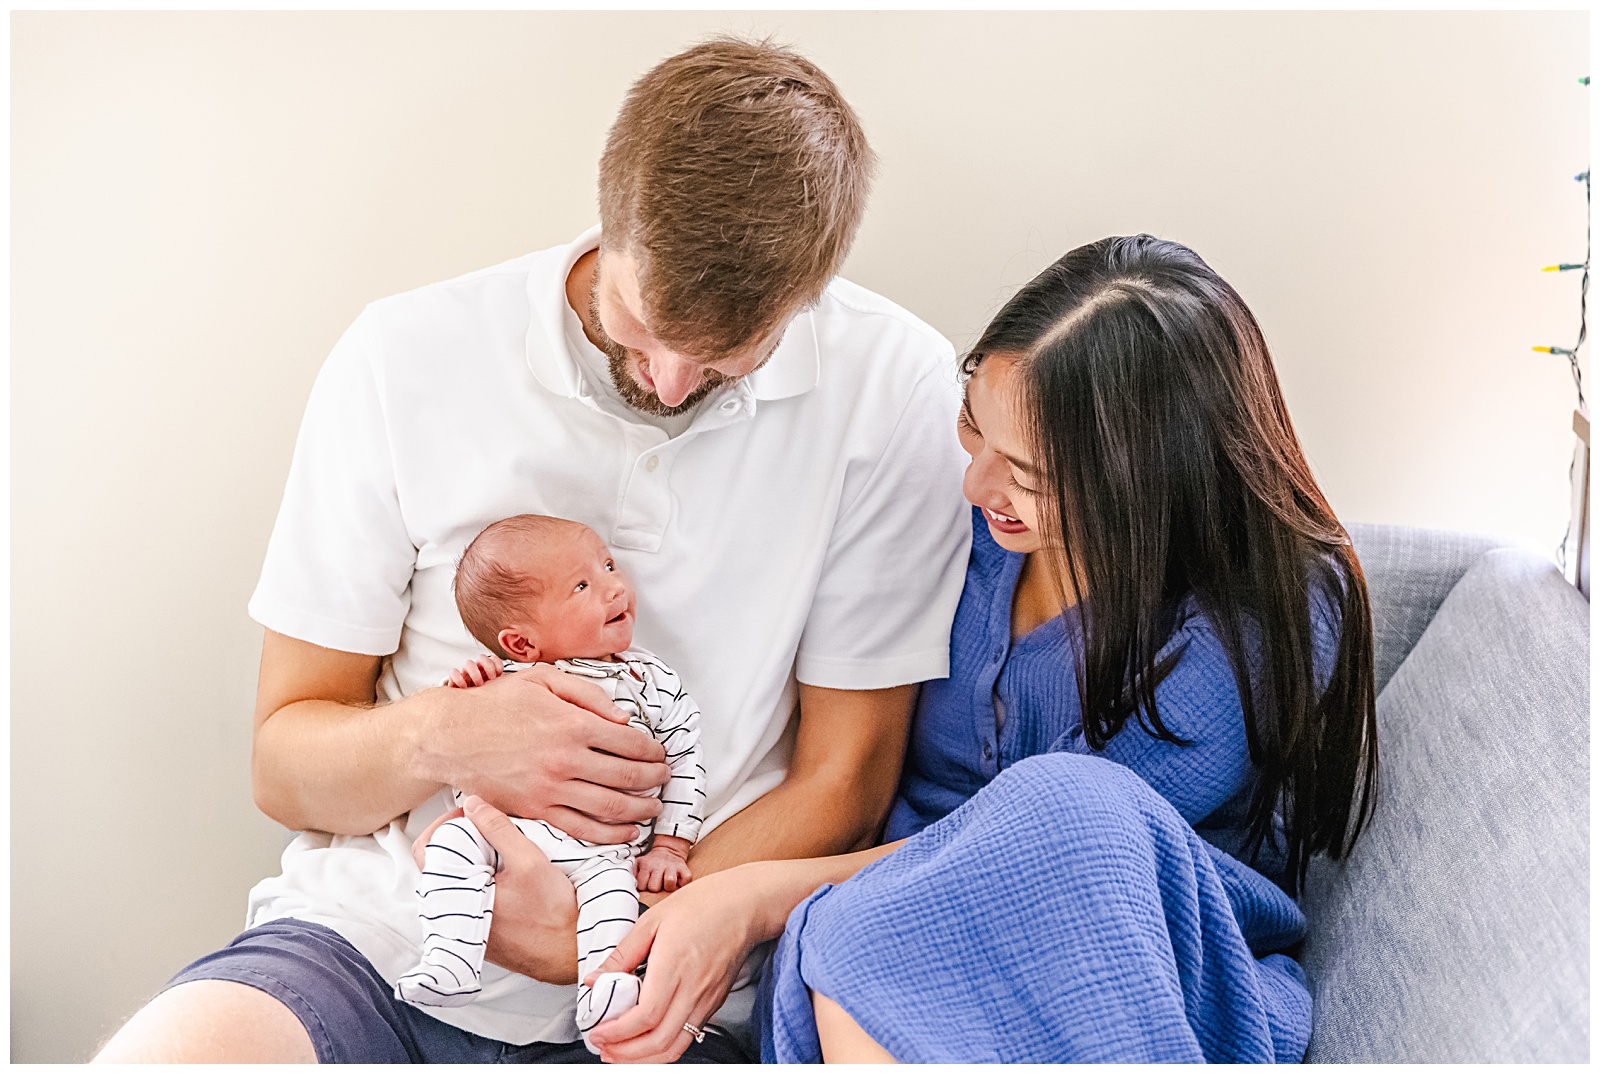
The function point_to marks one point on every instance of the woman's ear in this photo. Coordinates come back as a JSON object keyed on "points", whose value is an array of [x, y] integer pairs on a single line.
{"points": [[519, 646]]}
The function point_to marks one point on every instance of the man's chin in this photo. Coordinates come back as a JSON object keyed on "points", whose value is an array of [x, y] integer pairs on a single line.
{"points": [[646, 401]]}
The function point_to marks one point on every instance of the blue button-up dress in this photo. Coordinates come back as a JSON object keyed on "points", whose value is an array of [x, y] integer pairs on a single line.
{"points": [[1052, 902]]}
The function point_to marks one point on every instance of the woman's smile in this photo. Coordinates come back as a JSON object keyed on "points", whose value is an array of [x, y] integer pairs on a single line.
{"points": [[1004, 523]]}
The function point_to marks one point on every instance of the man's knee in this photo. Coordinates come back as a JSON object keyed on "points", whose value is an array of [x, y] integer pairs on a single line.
{"points": [[211, 1022]]}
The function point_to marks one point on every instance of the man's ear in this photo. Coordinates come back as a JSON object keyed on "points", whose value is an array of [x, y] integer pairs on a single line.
{"points": [[519, 646]]}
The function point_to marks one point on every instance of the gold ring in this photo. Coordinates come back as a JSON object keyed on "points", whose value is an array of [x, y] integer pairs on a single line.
{"points": [[695, 1031]]}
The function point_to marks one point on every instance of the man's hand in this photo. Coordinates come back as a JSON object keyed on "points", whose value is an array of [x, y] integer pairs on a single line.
{"points": [[537, 744], [552, 746], [665, 867], [476, 672], [534, 931]]}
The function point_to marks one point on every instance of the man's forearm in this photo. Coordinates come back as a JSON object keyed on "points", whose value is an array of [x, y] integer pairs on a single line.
{"points": [[341, 768], [797, 819], [841, 783]]}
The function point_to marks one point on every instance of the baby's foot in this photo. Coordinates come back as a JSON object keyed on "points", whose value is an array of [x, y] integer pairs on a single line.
{"points": [[612, 994], [434, 986]]}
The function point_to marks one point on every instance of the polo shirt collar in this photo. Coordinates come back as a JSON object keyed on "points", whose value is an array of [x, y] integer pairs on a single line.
{"points": [[793, 369]]}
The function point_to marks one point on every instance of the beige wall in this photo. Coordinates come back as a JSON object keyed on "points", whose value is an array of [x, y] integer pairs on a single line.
{"points": [[202, 202]]}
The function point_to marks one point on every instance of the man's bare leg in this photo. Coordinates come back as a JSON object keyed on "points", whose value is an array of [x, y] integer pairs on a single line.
{"points": [[842, 1040], [211, 1022]]}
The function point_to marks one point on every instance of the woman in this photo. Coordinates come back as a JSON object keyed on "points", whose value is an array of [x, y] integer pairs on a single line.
{"points": [[1160, 707]]}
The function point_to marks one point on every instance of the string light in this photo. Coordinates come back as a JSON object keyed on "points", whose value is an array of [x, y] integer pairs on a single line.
{"points": [[1571, 353]]}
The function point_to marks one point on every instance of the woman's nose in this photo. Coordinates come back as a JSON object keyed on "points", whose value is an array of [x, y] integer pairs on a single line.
{"points": [[982, 479]]}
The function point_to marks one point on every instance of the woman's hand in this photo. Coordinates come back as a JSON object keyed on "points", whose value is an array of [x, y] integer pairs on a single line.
{"points": [[697, 940]]}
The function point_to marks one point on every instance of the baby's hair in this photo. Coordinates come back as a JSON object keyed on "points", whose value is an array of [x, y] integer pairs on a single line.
{"points": [[490, 588]]}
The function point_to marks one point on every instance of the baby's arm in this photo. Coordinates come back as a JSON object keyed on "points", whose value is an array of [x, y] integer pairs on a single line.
{"points": [[677, 727], [476, 672], [666, 866]]}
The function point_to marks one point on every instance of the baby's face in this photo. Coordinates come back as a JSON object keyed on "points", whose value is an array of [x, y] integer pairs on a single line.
{"points": [[585, 608]]}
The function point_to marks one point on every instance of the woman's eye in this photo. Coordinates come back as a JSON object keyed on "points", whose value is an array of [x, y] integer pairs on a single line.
{"points": [[966, 425], [1012, 481]]}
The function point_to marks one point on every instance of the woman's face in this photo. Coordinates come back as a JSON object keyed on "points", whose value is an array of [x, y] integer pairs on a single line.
{"points": [[1000, 479]]}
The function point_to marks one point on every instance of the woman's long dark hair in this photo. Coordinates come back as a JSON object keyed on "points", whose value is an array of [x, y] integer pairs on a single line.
{"points": [[1156, 420]]}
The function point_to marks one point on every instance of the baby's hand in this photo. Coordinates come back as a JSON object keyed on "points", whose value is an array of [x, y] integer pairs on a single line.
{"points": [[476, 672], [665, 867]]}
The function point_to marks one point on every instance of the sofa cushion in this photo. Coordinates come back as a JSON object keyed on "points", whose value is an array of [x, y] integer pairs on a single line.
{"points": [[1409, 572], [1457, 931]]}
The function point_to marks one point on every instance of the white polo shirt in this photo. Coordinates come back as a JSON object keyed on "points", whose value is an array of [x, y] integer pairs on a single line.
{"points": [[807, 526]]}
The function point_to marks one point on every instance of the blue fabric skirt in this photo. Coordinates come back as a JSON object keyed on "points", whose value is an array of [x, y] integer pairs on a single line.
{"points": [[1065, 913]]}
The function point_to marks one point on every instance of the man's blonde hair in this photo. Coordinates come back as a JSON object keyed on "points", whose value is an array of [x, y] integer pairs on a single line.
{"points": [[736, 176]]}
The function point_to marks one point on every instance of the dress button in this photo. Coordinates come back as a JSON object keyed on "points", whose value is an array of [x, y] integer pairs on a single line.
{"points": [[652, 462]]}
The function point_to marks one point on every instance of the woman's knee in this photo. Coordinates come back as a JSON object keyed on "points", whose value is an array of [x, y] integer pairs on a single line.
{"points": [[1055, 784], [211, 1022]]}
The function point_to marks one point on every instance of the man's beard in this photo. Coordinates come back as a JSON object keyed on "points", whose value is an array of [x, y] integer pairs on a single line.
{"points": [[636, 395]]}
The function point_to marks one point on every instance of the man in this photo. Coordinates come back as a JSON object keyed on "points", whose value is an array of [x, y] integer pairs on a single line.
{"points": [[770, 454]]}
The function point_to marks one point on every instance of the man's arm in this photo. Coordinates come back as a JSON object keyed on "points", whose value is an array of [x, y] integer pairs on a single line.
{"points": [[840, 785], [326, 757]]}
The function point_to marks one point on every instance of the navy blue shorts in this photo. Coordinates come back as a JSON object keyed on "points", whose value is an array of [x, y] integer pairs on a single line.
{"points": [[351, 1012]]}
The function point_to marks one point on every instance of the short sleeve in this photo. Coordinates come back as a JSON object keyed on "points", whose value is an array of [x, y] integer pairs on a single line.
{"points": [[339, 562], [897, 556]]}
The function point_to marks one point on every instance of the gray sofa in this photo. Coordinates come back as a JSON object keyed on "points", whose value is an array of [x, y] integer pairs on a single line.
{"points": [[1458, 930]]}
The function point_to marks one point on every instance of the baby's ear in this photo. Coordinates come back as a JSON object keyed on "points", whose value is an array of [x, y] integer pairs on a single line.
{"points": [[519, 646]]}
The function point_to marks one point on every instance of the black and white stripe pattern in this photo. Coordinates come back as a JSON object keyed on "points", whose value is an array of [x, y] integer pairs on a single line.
{"points": [[456, 891], [657, 704], [456, 888]]}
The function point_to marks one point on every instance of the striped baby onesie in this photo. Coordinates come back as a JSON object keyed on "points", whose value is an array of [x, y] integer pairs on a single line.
{"points": [[456, 888]]}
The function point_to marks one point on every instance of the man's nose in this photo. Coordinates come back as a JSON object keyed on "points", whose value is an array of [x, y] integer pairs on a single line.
{"points": [[674, 378]]}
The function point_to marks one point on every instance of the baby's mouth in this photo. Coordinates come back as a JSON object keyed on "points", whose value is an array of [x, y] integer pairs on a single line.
{"points": [[619, 617]]}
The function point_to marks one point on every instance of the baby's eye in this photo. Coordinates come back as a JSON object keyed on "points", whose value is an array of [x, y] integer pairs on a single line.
{"points": [[580, 587], [610, 566]]}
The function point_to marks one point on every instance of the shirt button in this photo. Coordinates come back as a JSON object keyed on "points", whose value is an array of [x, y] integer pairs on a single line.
{"points": [[988, 752], [652, 462], [730, 405], [998, 652]]}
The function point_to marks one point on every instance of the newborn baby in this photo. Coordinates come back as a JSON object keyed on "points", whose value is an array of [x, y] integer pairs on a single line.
{"points": [[535, 589]]}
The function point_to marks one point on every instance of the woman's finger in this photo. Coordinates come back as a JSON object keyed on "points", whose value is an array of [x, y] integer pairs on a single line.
{"points": [[420, 846], [668, 1039], [655, 999], [627, 955]]}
